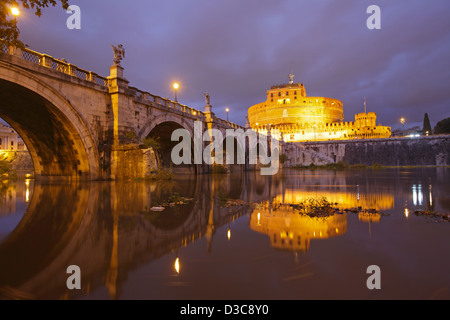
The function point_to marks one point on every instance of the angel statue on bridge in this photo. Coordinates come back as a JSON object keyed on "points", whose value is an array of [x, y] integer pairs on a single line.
{"points": [[207, 98], [119, 54]]}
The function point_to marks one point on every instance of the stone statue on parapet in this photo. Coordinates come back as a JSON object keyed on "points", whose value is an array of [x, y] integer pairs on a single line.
{"points": [[207, 98], [119, 54], [291, 78]]}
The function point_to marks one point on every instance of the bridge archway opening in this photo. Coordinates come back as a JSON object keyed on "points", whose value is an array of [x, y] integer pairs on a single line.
{"points": [[55, 145], [233, 158], [163, 134]]}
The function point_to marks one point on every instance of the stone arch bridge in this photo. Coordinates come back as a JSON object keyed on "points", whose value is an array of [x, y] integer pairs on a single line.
{"points": [[82, 126]]}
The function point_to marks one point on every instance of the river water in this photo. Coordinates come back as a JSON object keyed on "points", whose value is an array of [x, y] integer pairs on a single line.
{"points": [[235, 236]]}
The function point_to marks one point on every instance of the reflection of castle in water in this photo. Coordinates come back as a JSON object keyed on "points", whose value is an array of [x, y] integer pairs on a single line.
{"points": [[290, 230], [342, 200]]}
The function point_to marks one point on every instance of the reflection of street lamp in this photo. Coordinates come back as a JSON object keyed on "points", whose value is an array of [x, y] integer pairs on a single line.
{"points": [[177, 265], [227, 110], [402, 121], [175, 87]]}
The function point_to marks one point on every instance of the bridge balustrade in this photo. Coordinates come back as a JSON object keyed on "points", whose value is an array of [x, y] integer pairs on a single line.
{"points": [[55, 64]]}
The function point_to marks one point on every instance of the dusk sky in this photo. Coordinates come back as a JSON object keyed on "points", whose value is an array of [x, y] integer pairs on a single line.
{"points": [[236, 49]]}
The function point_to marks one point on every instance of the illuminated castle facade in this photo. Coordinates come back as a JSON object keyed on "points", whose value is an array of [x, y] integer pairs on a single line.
{"points": [[293, 116]]}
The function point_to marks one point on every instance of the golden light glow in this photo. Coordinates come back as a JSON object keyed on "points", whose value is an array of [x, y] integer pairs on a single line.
{"points": [[402, 120], [177, 265], [176, 85], [229, 234], [227, 109], [406, 212], [15, 11]]}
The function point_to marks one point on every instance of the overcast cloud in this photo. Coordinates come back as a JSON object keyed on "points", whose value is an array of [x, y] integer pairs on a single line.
{"points": [[236, 49]]}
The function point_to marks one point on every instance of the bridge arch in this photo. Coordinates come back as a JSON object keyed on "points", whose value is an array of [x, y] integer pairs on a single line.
{"points": [[161, 127], [56, 134]]}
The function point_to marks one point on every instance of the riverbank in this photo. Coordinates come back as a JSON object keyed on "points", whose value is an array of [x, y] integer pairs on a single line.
{"points": [[16, 165], [346, 166]]}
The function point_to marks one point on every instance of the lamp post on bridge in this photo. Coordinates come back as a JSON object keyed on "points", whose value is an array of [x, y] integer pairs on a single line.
{"points": [[402, 121], [175, 87], [227, 110]]}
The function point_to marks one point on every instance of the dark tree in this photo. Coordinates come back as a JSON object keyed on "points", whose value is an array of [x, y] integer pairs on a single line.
{"points": [[426, 125], [9, 32], [442, 126]]}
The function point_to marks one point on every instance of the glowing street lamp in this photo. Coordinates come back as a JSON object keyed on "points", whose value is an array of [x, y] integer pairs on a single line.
{"points": [[175, 87], [227, 110], [15, 11], [402, 121]]}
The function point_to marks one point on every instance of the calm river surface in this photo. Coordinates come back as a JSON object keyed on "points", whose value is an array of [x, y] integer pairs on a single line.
{"points": [[229, 237]]}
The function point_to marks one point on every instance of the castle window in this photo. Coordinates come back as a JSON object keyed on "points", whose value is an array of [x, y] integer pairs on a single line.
{"points": [[271, 95], [287, 93], [295, 92], [279, 94]]}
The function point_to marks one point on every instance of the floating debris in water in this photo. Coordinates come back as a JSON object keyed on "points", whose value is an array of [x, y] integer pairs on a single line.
{"points": [[236, 202], [433, 214], [157, 209], [175, 200]]}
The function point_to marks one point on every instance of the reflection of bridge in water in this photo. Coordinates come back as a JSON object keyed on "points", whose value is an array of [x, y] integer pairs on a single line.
{"points": [[111, 230]]}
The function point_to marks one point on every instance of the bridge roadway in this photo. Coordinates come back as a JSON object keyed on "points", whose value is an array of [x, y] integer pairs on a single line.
{"points": [[79, 125]]}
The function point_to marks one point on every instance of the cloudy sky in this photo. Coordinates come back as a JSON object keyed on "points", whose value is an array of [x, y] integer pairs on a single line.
{"points": [[236, 49]]}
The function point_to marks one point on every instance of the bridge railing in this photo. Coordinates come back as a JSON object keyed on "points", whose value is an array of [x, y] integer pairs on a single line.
{"points": [[149, 98], [226, 123], [3, 48], [55, 64]]}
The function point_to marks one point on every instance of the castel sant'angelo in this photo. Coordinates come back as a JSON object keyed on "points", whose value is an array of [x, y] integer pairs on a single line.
{"points": [[293, 116]]}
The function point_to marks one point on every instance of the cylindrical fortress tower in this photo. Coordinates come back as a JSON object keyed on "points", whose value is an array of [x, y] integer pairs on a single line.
{"points": [[288, 104]]}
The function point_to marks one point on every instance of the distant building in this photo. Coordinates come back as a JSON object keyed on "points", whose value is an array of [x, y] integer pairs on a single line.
{"points": [[10, 140], [293, 116], [410, 132]]}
